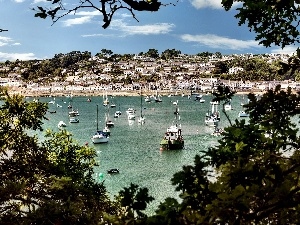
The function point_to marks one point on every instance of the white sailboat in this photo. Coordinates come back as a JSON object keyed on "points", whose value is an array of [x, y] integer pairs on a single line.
{"points": [[105, 99], [99, 136]]}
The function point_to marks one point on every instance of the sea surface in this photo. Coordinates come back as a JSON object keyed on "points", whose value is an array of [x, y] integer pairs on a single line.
{"points": [[134, 148]]}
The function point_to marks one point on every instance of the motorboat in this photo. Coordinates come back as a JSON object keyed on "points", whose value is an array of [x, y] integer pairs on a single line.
{"points": [[113, 171], [61, 124], [106, 131], [74, 113], [131, 116], [73, 119], [130, 111], [243, 114], [147, 99], [110, 123], [228, 107]]}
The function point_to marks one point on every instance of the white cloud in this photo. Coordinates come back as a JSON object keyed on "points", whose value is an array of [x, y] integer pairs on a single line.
{"points": [[19, 1], [97, 35], [15, 56], [148, 29], [38, 1], [286, 50], [88, 13], [218, 42], [5, 41], [215, 4], [198, 4], [77, 21]]}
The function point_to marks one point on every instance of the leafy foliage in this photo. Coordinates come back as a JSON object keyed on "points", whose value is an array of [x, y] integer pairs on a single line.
{"points": [[106, 7], [46, 183]]}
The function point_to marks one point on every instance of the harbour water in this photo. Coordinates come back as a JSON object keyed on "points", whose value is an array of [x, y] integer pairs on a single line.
{"points": [[134, 148]]}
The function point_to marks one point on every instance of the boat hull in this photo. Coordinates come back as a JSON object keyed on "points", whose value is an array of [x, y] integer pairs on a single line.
{"points": [[99, 139], [171, 144]]}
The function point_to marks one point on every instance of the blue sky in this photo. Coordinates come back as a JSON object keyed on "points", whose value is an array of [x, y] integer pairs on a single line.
{"points": [[192, 26]]}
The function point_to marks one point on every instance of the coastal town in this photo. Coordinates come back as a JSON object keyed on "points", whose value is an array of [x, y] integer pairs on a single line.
{"points": [[183, 74]]}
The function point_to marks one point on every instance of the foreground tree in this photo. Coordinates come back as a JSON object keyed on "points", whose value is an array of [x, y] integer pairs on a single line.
{"points": [[49, 182]]}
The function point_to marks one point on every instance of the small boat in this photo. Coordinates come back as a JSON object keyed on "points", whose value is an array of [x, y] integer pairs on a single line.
{"points": [[100, 136], [106, 131], [198, 97], [130, 111], [131, 116], [147, 99], [51, 102], [88, 100], [110, 123], [201, 100], [228, 106], [116, 115], [58, 106], [73, 119], [112, 105], [113, 171], [52, 111], [211, 121], [243, 114], [173, 139], [74, 113], [61, 124]]}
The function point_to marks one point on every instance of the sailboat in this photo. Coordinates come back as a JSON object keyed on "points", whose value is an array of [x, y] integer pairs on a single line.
{"points": [[99, 136], [173, 139], [141, 120], [105, 99], [108, 121]]}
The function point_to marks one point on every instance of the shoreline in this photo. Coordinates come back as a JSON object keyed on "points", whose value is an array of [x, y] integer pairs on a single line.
{"points": [[27, 93]]}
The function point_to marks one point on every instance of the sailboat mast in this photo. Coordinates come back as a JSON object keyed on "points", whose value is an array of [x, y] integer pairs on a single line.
{"points": [[141, 103], [97, 117]]}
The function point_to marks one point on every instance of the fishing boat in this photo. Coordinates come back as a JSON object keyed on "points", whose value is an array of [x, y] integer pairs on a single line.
{"points": [[99, 137], [173, 139], [212, 117]]}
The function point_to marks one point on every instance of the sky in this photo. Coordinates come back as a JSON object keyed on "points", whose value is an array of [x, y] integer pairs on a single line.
{"points": [[191, 26]]}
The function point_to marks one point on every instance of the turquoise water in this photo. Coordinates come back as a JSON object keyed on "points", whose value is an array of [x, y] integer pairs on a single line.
{"points": [[134, 148]]}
